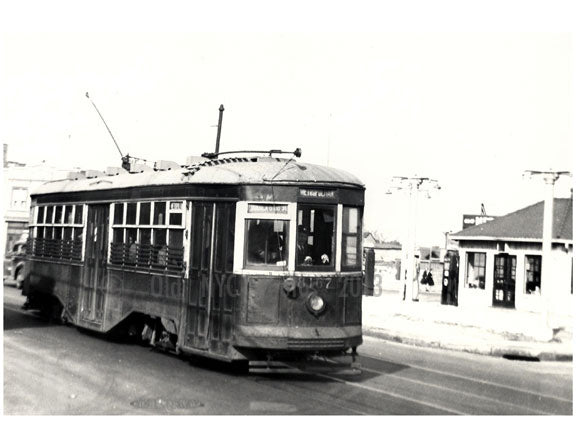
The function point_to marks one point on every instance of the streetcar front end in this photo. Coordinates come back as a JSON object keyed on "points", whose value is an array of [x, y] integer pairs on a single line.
{"points": [[299, 275]]}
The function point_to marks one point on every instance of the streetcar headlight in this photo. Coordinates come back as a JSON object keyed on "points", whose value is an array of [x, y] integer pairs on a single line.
{"points": [[316, 303]]}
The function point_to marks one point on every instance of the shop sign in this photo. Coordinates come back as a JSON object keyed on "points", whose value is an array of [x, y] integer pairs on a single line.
{"points": [[475, 220]]}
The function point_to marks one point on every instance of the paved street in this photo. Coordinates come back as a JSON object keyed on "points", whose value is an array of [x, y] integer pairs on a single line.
{"points": [[58, 370]]}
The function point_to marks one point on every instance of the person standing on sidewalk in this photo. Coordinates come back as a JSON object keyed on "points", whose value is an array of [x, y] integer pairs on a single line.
{"points": [[424, 279], [429, 281]]}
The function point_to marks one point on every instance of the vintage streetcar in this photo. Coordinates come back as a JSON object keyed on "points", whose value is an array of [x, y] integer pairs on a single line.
{"points": [[255, 258]]}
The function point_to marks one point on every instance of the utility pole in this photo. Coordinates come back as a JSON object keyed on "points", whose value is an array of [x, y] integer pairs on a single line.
{"points": [[547, 276], [413, 185]]}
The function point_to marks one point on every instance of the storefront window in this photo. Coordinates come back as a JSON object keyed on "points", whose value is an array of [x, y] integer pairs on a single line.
{"points": [[476, 270], [266, 242], [533, 268], [315, 239]]}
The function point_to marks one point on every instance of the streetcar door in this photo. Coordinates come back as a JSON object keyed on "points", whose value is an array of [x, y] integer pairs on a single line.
{"points": [[504, 280], [201, 266], [210, 296], [94, 276], [224, 286]]}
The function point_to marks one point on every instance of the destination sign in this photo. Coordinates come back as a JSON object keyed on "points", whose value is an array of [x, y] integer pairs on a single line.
{"points": [[317, 193], [279, 209]]}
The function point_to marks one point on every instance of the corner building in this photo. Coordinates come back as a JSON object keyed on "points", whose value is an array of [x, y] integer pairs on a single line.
{"points": [[500, 262]]}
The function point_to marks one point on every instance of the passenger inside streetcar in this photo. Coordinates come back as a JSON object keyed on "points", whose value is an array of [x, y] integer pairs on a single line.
{"points": [[315, 236], [266, 242]]}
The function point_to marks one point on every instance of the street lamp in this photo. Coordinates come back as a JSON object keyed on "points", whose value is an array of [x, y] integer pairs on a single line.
{"points": [[413, 185]]}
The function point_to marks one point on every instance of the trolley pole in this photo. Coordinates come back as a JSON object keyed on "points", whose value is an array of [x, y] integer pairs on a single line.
{"points": [[414, 186], [546, 289], [221, 109]]}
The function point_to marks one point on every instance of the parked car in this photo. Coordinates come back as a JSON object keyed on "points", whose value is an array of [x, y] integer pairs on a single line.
{"points": [[14, 263]]}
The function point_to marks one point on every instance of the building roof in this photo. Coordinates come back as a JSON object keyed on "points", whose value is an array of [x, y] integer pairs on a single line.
{"points": [[524, 224], [237, 170]]}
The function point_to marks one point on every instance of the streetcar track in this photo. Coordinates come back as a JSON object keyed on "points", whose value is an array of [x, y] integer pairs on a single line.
{"points": [[306, 393], [334, 402], [467, 378], [392, 394], [482, 397]]}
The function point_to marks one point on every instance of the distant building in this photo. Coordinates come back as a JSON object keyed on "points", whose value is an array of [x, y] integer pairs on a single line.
{"points": [[501, 260], [19, 180], [431, 261], [388, 262]]}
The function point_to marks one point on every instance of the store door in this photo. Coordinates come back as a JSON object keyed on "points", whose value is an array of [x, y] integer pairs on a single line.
{"points": [[504, 280]]}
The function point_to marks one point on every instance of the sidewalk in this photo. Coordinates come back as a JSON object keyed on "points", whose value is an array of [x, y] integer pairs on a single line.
{"points": [[487, 331]]}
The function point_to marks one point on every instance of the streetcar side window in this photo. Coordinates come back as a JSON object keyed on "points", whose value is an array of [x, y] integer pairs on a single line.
{"points": [[316, 236], [176, 209], [351, 231], [159, 213], [131, 213], [55, 234], [78, 214], [68, 214], [40, 216], [144, 213], [118, 213], [58, 214], [266, 242], [144, 238], [49, 212]]}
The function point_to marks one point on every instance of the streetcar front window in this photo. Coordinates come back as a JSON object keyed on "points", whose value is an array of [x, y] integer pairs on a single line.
{"points": [[315, 239], [266, 242], [351, 234]]}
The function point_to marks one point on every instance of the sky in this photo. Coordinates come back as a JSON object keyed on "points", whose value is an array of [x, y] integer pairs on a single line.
{"points": [[472, 110]]}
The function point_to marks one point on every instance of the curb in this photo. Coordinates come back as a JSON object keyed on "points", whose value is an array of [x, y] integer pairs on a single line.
{"points": [[523, 352]]}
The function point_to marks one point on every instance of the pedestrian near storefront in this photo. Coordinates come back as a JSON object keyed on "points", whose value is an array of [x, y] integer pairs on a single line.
{"points": [[424, 280], [429, 281]]}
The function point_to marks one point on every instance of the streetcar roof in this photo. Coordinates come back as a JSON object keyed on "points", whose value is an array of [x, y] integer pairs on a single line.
{"points": [[236, 170]]}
